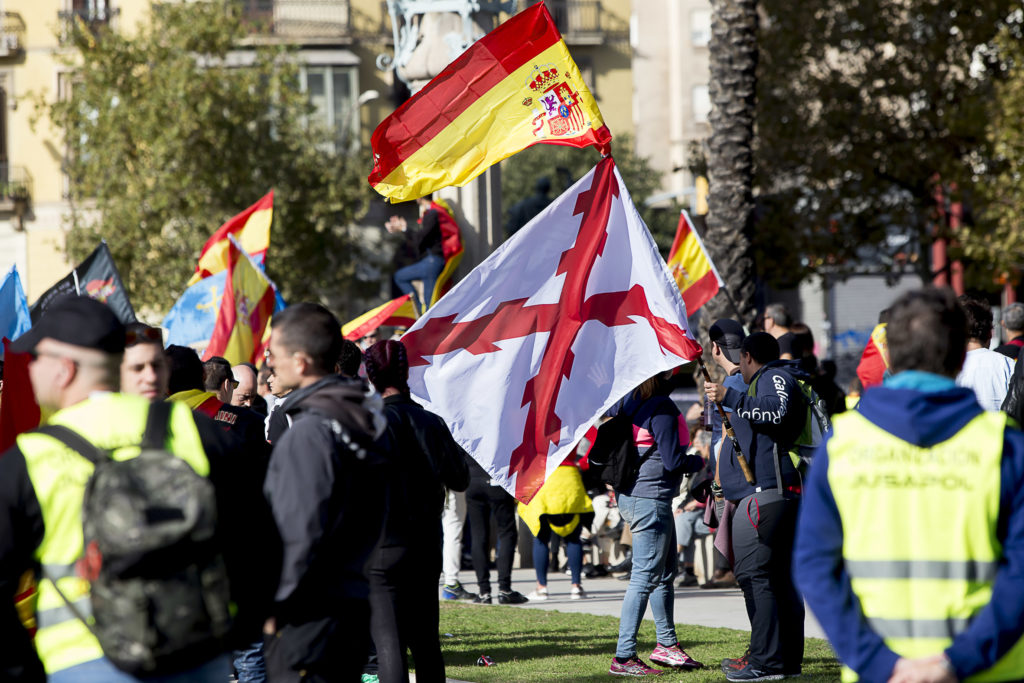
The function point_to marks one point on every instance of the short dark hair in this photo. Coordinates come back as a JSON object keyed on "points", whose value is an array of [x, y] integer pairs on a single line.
{"points": [[779, 314], [186, 369], [350, 358], [927, 331], [979, 318], [803, 341], [761, 346], [313, 330], [216, 371]]}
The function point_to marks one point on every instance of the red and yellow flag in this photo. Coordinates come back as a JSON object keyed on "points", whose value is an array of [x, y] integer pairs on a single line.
{"points": [[251, 228], [513, 88], [696, 275], [245, 309], [395, 313], [451, 248]]}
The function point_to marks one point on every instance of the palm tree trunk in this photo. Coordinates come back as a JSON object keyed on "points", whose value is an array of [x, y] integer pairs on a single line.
{"points": [[733, 57]]}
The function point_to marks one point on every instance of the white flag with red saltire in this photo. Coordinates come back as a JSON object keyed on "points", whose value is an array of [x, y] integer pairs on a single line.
{"points": [[554, 327]]}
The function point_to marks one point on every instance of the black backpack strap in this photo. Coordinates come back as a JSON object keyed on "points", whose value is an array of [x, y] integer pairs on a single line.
{"points": [[74, 441], [157, 426]]}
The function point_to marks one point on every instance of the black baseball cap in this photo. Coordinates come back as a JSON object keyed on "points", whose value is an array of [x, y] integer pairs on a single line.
{"points": [[79, 321], [728, 334]]}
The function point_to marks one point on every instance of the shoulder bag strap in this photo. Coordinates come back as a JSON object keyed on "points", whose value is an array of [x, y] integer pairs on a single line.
{"points": [[157, 427]]}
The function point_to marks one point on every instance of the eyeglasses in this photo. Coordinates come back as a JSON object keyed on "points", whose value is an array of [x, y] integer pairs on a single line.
{"points": [[140, 333], [234, 384]]}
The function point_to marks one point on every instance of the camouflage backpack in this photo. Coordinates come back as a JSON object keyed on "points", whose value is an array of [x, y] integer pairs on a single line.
{"points": [[159, 587]]}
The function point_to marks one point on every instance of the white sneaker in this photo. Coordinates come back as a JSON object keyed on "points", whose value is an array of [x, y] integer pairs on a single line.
{"points": [[539, 595], [577, 593]]}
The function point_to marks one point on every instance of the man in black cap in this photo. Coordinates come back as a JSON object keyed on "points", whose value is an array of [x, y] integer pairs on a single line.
{"points": [[764, 525], [76, 349]]}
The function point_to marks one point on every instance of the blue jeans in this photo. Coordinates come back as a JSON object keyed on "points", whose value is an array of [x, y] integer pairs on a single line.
{"points": [[426, 271], [249, 664], [217, 670], [654, 564], [689, 527]]}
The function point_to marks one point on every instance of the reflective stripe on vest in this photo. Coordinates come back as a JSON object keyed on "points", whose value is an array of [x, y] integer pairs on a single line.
{"points": [[919, 541], [922, 569], [59, 476]]}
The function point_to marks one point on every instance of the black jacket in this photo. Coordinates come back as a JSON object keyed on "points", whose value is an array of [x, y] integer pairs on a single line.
{"points": [[325, 487], [1013, 404], [423, 461]]}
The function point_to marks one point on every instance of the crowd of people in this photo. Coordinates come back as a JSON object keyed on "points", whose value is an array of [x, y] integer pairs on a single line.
{"points": [[341, 505]]}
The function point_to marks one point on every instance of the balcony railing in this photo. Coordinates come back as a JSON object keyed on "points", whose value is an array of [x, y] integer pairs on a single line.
{"points": [[579, 21], [12, 34], [93, 17], [15, 188], [299, 19]]}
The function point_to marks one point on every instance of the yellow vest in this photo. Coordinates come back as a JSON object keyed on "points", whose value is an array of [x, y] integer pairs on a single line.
{"points": [[919, 532], [110, 421]]}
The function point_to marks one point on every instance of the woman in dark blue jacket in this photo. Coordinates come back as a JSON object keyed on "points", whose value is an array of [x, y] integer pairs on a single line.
{"points": [[647, 507]]}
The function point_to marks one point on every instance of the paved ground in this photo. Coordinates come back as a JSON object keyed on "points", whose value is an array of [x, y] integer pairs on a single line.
{"points": [[715, 607]]}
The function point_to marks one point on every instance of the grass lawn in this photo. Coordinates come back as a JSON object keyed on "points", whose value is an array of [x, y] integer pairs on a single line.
{"points": [[540, 645]]}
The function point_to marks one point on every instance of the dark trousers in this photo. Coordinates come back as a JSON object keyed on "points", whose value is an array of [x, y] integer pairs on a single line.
{"points": [[326, 650], [763, 529], [404, 610], [482, 501]]}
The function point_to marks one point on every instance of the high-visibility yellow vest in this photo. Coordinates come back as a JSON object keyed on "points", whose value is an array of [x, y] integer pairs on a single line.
{"points": [[919, 532], [115, 422]]}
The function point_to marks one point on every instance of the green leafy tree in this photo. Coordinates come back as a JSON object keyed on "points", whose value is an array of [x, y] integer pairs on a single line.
{"points": [[998, 238], [169, 133], [865, 109], [563, 166]]}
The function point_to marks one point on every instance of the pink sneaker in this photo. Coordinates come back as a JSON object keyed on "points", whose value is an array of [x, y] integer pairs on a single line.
{"points": [[634, 666], [675, 657]]}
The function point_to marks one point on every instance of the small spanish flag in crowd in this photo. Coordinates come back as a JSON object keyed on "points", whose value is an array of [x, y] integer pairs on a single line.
{"points": [[696, 275], [252, 230], [451, 247], [515, 87], [395, 313], [245, 309]]}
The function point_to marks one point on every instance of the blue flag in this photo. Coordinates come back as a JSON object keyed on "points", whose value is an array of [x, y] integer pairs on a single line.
{"points": [[14, 315], [191, 320]]}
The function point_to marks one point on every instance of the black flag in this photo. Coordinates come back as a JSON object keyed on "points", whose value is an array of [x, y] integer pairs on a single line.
{"points": [[96, 277]]}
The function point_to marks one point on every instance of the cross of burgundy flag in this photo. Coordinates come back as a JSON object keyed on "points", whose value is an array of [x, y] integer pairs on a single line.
{"points": [[560, 322]]}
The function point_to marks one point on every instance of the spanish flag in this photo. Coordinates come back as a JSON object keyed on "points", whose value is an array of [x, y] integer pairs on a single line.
{"points": [[696, 275], [251, 228], [451, 248], [513, 88], [245, 309], [395, 313]]}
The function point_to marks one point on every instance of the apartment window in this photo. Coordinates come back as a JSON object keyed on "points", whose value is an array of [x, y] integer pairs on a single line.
{"points": [[701, 103], [333, 91], [700, 27]]}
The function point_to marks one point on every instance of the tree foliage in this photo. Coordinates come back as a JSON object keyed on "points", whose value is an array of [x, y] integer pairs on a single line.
{"points": [[998, 238], [563, 166], [864, 108], [172, 130]]}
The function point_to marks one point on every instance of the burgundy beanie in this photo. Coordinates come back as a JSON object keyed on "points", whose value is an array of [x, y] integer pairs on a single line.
{"points": [[387, 365]]}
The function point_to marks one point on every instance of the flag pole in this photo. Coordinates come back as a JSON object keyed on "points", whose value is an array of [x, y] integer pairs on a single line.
{"points": [[727, 426]]}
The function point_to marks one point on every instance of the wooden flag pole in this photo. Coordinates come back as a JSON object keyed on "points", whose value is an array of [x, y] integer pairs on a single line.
{"points": [[740, 458]]}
